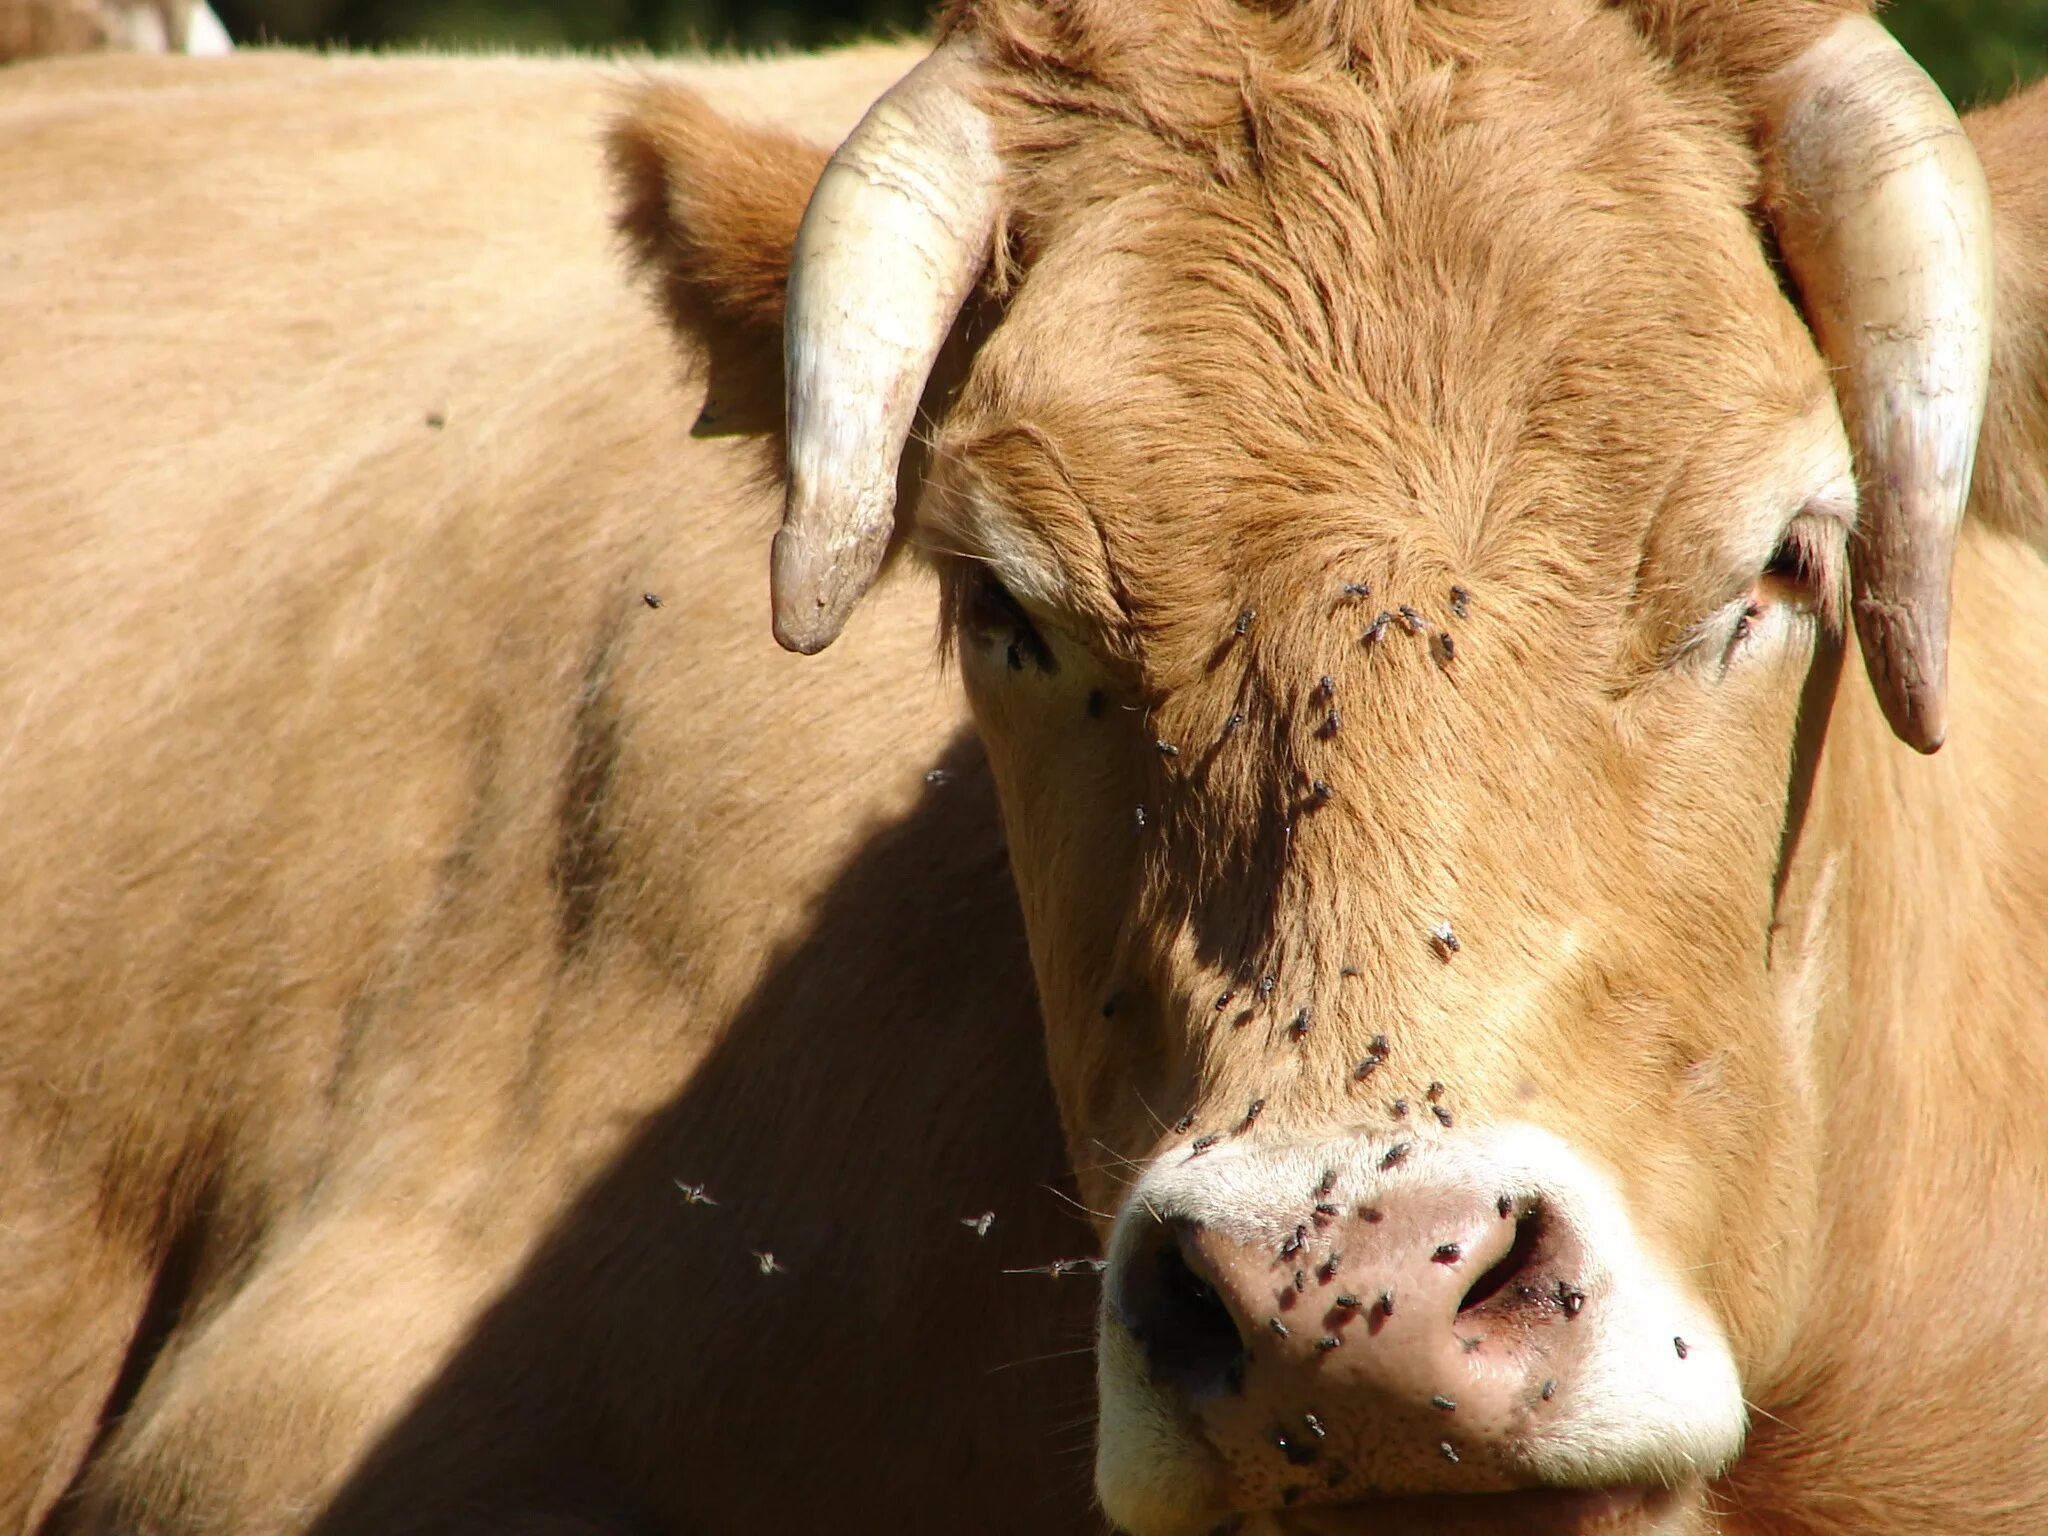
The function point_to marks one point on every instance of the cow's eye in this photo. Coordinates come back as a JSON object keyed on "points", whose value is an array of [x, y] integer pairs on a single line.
{"points": [[994, 617], [1799, 585], [1806, 567], [1798, 561], [1799, 581], [1788, 561]]}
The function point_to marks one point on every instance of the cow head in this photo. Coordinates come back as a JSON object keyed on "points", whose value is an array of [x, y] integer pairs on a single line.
{"points": [[1390, 517]]}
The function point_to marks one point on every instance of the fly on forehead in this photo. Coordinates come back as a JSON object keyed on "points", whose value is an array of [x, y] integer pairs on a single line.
{"points": [[1516, 741]]}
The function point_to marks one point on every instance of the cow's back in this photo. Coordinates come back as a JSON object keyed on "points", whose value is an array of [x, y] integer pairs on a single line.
{"points": [[400, 903]]}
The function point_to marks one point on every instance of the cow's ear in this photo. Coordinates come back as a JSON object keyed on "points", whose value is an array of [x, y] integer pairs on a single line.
{"points": [[710, 208]]}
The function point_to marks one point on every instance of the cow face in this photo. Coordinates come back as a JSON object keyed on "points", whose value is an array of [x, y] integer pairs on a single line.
{"points": [[1393, 534], [1386, 585]]}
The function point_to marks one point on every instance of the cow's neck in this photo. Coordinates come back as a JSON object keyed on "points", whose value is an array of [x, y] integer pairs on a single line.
{"points": [[1926, 880]]}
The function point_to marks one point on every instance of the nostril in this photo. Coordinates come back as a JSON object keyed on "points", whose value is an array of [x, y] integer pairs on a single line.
{"points": [[1190, 1338], [1521, 1256]]}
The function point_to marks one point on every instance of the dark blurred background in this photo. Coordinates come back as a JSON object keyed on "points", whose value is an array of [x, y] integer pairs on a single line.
{"points": [[1977, 49]]}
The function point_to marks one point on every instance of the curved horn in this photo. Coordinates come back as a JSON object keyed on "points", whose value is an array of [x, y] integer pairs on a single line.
{"points": [[896, 234], [1882, 213]]}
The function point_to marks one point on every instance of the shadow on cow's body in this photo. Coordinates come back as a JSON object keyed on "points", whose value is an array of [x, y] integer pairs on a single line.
{"points": [[380, 972], [820, 1342], [886, 1373]]}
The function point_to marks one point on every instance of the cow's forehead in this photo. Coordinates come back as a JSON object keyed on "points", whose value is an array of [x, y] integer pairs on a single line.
{"points": [[1484, 299]]}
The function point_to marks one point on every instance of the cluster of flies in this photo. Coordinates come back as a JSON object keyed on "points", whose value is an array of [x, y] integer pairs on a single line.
{"points": [[1443, 939], [1355, 1302], [1056, 1269]]}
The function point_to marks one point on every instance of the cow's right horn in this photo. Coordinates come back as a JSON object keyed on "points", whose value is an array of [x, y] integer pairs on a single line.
{"points": [[896, 235], [1880, 207]]}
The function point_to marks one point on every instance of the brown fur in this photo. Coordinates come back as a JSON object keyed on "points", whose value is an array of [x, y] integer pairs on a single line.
{"points": [[1497, 320], [397, 906], [1733, 41], [711, 209], [405, 905]]}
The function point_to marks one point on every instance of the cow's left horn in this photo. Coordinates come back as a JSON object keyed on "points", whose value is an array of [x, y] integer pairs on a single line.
{"points": [[895, 236], [1881, 210]]}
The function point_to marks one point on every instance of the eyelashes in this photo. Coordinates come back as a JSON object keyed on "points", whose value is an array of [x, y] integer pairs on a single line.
{"points": [[1803, 577], [1807, 567]]}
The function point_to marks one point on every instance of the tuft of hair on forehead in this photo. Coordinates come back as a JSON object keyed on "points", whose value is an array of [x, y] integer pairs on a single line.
{"points": [[1400, 286], [1208, 81]]}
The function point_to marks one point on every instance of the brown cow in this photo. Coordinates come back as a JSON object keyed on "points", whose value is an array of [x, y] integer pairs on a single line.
{"points": [[1390, 527], [1404, 636], [398, 908]]}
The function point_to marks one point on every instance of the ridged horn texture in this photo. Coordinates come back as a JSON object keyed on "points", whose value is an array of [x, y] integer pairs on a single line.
{"points": [[896, 235], [1881, 210]]}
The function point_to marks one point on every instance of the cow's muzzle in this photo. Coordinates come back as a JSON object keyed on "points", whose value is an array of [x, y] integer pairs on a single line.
{"points": [[1305, 1327]]}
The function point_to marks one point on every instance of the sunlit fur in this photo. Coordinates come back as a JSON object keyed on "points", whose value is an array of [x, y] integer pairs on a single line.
{"points": [[1416, 297], [362, 1001], [395, 906]]}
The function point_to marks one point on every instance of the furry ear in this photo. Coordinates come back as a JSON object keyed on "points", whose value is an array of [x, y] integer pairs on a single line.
{"points": [[710, 208]]}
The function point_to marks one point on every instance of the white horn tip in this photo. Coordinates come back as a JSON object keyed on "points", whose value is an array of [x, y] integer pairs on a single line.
{"points": [[1884, 217], [1905, 653], [897, 233], [815, 581]]}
